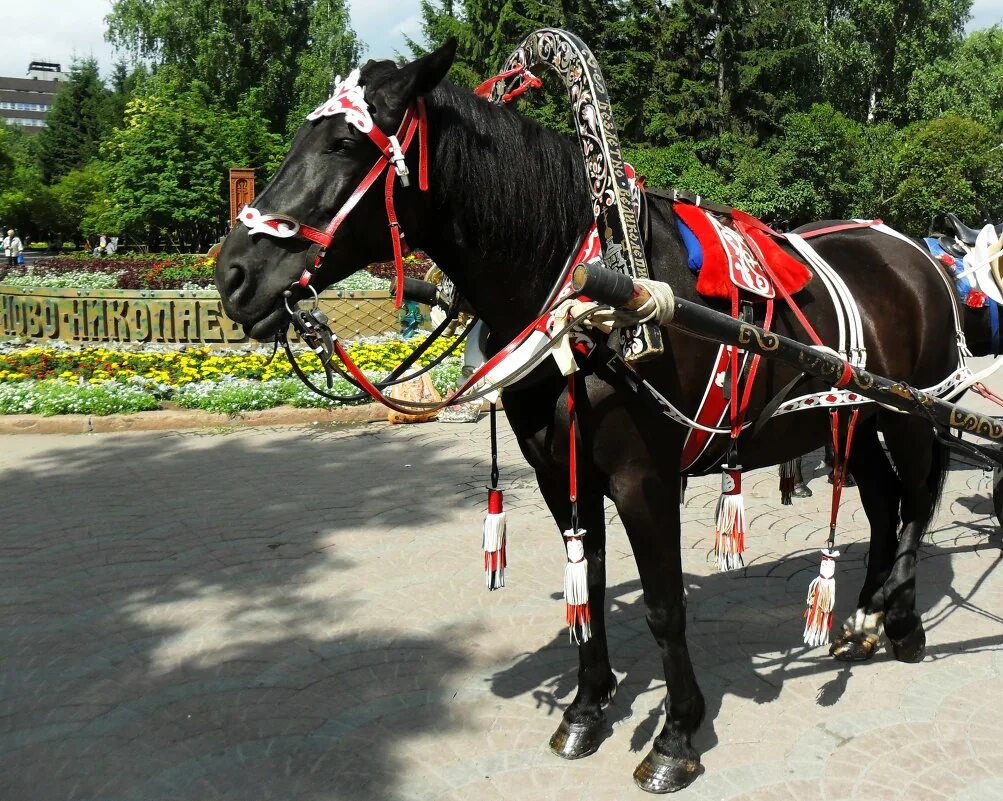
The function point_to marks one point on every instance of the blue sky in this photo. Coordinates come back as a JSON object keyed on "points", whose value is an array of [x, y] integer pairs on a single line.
{"points": [[76, 28]]}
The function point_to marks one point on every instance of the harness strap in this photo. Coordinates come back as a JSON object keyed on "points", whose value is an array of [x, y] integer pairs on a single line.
{"points": [[847, 226], [780, 288], [530, 81], [839, 468]]}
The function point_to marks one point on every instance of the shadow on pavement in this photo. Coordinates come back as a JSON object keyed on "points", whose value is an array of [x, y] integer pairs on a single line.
{"points": [[743, 642], [163, 632]]}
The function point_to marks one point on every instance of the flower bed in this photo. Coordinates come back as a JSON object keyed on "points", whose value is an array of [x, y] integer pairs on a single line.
{"points": [[128, 272], [98, 381], [181, 271]]}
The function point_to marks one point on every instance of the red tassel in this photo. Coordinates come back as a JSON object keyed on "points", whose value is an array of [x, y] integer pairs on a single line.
{"points": [[494, 541], [729, 533], [788, 480], [821, 601], [576, 588]]}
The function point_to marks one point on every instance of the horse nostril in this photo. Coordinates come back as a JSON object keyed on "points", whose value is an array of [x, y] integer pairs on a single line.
{"points": [[234, 281]]}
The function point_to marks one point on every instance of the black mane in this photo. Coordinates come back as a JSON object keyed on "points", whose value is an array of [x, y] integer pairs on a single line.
{"points": [[494, 160]]}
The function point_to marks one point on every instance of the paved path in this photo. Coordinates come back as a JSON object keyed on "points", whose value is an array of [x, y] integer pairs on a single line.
{"points": [[299, 614]]}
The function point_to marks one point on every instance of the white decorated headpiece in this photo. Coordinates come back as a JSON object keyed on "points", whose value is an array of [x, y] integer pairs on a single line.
{"points": [[349, 99]]}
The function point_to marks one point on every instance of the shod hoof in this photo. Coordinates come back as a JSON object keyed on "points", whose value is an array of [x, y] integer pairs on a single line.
{"points": [[658, 773], [911, 648], [576, 740], [860, 637], [854, 649]]}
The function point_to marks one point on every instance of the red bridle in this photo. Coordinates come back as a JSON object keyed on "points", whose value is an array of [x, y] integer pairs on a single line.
{"points": [[348, 101]]}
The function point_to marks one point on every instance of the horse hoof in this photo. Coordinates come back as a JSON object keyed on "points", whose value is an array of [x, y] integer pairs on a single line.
{"points": [[576, 740], [853, 649], [659, 773], [859, 638], [911, 648]]}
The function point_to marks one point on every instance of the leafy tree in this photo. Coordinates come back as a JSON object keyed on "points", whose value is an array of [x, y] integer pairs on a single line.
{"points": [[332, 49], [815, 163], [948, 164], [232, 46], [967, 81], [166, 168], [872, 49], [80, 117], [79, 195]]}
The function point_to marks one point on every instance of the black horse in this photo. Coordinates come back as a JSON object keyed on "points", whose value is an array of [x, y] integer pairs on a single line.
{"points": [[506, 205]]}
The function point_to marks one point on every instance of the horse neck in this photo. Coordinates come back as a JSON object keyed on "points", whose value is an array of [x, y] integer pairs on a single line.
{"points": [[508, 202]]}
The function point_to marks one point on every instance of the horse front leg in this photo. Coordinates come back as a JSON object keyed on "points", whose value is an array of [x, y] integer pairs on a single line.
{"points": [[880, 496], [583, 724], [648, 502]]}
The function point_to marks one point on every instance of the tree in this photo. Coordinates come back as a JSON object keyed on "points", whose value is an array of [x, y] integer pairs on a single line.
{"points": [[233, 46], [79, 195], [948, 164], [81, 115], [332, 49], [165, 169], [968, 81], [872, 48]]}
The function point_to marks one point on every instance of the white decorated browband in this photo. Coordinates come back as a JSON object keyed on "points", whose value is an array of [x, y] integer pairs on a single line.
{"points": [[349, 99]]}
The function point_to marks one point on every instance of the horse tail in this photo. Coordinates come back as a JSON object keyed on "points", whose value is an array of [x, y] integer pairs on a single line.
{"points": [[937, 477]]}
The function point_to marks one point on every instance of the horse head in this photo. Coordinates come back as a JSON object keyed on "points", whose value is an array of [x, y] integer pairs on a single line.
{"points": [[318, 220]]}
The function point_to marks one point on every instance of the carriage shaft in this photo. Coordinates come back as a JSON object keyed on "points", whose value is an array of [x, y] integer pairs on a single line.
{"points": [[601, 284]]}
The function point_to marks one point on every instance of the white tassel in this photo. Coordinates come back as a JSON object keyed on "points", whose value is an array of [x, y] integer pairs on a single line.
{"points": [[494, 542], [576, 588], [821, 601], [729, 532]]}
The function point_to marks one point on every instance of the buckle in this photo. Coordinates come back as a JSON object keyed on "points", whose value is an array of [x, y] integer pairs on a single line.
{"points": [[397, 159]]}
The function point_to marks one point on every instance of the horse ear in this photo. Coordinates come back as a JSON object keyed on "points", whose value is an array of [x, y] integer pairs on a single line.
{"points": [[424, 74]]}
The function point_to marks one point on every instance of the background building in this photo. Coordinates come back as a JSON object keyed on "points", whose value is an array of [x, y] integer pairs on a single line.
{"points": [[27, 101]]}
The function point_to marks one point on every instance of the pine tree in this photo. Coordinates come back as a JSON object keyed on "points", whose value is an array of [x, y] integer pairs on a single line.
{"points": [[332, 49], [79, 119]]}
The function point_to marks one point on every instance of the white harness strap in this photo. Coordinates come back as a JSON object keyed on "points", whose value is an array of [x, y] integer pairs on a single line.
{"points": [[957, 382], [851, 330]]}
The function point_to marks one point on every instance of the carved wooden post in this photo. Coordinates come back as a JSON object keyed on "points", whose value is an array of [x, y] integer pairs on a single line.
{"points": [[241, 190]]}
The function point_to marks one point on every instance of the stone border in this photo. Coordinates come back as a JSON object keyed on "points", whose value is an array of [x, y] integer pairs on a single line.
{"points": [[182, 419]]}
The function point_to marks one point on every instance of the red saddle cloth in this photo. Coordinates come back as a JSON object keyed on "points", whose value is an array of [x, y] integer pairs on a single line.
{"points": [[733, 252]]}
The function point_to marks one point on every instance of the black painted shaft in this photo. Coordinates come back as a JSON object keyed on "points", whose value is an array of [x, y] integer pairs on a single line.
{"points": [[830, 368], [825, 365]]}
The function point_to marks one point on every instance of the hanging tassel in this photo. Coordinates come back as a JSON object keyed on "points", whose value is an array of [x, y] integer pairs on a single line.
{"points": [[821, 601], [788, 480], [729, 534], [494, 541], [576, 588]]}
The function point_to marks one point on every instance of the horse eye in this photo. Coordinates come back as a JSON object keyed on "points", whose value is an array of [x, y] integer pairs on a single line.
{"points": [[340, 146]]}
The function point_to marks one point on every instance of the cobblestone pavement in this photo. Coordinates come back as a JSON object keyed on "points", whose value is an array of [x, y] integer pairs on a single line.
{"points": [[300, 614]]}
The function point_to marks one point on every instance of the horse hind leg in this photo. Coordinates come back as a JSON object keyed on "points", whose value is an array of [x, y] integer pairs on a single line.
{"points": [[878, 486], [922, 467], [583, 725]]}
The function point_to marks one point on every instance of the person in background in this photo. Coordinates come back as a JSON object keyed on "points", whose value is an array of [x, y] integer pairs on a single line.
{"points": [[11, 248]]}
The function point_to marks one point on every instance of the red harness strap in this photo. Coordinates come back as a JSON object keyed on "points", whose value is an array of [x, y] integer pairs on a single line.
{"points": [[839, 467], [832, 229], [529, 81]]}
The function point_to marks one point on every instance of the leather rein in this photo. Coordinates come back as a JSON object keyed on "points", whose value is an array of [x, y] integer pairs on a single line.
{"points": [[311, 324]]}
